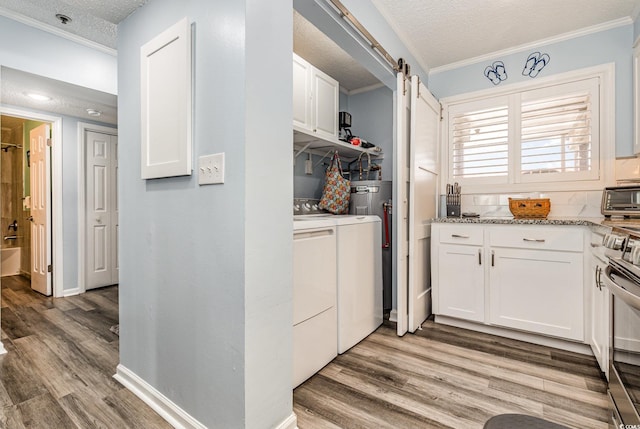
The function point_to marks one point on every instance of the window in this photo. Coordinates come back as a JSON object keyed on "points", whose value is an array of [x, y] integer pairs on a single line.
{"points": [[544, 134]]}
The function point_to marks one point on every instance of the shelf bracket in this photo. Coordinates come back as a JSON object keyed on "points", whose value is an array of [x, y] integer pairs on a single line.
{"points": [[305, 147]]}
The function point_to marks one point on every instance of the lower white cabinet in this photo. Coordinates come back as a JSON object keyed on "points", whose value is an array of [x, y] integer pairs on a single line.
{"points": [[600, 303], [538, 291], [461, 282], [529, 278]]}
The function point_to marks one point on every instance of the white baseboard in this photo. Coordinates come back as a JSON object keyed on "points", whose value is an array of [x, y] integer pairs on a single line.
{"points": [[290, 422], [168, 410], [393, 315], [71, 292]]}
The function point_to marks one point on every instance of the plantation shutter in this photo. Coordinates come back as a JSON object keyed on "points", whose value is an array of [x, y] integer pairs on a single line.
{"points": [[479, 141], [559, 132]]}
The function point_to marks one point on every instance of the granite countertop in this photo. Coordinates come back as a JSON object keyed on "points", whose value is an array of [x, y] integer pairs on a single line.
{"points": [[512, 221]]}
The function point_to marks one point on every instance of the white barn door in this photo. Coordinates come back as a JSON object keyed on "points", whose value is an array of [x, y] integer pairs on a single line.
{"points": [[423, 197], [102, 209], [401, 198]]}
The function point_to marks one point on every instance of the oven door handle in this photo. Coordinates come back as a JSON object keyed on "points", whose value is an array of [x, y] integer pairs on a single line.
{"points": [[620, 292]]}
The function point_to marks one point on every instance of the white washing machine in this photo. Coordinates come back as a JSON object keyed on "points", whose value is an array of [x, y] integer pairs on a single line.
{"points": [[314, 296], [359, 266]]}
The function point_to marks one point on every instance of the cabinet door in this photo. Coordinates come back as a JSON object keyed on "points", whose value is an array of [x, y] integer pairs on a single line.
{"points": [[599, 319], [461, 282], [540, 291], [325, 104], [302, 93]]}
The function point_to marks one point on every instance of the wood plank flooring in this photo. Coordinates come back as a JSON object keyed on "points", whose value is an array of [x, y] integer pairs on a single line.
{"points": [[60, 362], [61, 358], [446, 377]]}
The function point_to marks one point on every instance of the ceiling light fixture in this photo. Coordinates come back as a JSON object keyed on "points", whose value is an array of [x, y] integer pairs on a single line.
{"points": [[38, 97], [64, 19], [94, 112]]}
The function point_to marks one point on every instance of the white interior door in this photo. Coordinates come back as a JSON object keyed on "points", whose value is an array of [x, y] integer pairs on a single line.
{"points": [[102, 210], [401, 198], [423, 196], [40, 177]]}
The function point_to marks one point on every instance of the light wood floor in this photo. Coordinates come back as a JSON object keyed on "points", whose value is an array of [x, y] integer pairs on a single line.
{"points": [[61, 358], [60, 362], [445, 377]]}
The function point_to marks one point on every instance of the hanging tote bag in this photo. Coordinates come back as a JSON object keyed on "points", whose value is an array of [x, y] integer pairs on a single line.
{"points": [[337, 189]]}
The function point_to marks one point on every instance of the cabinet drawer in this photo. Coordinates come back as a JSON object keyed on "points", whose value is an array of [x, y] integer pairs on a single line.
{"points": [[538, 237], [461, 234]]}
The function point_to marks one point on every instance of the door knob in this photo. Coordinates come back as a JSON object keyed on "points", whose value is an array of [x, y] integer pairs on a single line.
{"points": [[99, 220], [30, 218]]}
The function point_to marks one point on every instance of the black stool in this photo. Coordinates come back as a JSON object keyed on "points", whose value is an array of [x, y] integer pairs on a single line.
{"points": [[520, 421]]}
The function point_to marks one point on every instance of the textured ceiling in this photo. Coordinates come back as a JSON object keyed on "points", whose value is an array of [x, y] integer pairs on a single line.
{"points": [[66, 99], [444, 32], [94, 20], [314, 46]]}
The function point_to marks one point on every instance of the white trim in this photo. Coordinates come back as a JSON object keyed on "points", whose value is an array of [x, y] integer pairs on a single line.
{"points": [[56, 190], [636, 99], [83, 127], [290, 422], [606, 72], [56, 31], [168, 410], [548, 41], [72, 292], [529, 337], [366, 88], [404, 38], [2, 349], [393, 315]]}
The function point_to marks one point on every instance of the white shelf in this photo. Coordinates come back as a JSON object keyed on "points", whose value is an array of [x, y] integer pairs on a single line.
{"points": [[302, 141]]}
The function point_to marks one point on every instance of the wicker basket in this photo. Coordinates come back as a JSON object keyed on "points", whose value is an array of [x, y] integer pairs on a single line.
{"points": [[530, 208]]}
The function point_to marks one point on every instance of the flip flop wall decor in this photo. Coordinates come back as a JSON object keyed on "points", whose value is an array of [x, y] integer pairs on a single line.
{"points": [[535, 63], [496, 72]]}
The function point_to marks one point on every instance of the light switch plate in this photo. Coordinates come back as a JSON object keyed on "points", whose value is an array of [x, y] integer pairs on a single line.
{"points": [[211, 169]]}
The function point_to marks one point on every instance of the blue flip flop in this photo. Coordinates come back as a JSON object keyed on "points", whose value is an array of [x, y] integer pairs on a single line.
{"points": [[500, 70], [491, 74], [532, 59], [539, 65]]}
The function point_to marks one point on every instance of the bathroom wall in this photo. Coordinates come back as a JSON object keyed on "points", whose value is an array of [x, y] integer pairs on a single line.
{"points": [[11, 184]]}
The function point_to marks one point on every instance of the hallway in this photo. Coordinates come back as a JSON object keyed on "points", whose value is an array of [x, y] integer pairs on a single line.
{"points": [[60, 362]]}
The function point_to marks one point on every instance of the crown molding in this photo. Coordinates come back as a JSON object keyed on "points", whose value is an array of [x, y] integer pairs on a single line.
{"points": [[555, 39], [56, 31]]}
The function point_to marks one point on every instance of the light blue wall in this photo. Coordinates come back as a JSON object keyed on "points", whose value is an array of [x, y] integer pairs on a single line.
{"points": [[372, 119], [35, 51], [611, 46], [636, 29], [206, 272], [309, 186]]}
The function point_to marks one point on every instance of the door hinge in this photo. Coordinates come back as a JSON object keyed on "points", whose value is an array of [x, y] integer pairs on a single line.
{"points": [[49, 268], [49, 142], [441, 112]]}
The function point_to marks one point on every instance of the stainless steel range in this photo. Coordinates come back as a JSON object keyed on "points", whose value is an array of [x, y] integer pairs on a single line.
{"points": [[622, 278]]}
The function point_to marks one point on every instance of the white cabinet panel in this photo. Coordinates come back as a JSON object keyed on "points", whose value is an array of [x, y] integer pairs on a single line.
{"points": [[166, 103], [325, 91], [537, 291], [461, 282], [302, 93], [600, 315]]}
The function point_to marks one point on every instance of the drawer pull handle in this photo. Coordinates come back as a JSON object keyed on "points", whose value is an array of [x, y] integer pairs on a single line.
{"points": [[479, 256], [459, 236], [534, 240], [493, 259]]}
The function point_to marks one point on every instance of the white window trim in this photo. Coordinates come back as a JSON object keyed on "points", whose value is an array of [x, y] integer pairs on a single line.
{"points": [[606, 73]]}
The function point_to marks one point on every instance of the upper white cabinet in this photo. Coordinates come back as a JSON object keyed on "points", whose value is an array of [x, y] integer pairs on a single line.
{"points": [[315, 100]]}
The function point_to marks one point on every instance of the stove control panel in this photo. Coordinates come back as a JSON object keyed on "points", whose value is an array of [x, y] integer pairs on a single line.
{"points": [[614, 241]]}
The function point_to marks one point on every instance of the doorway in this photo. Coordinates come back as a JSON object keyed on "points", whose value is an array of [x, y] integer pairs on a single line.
{"points": [[26, 199], [98, 206]]}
